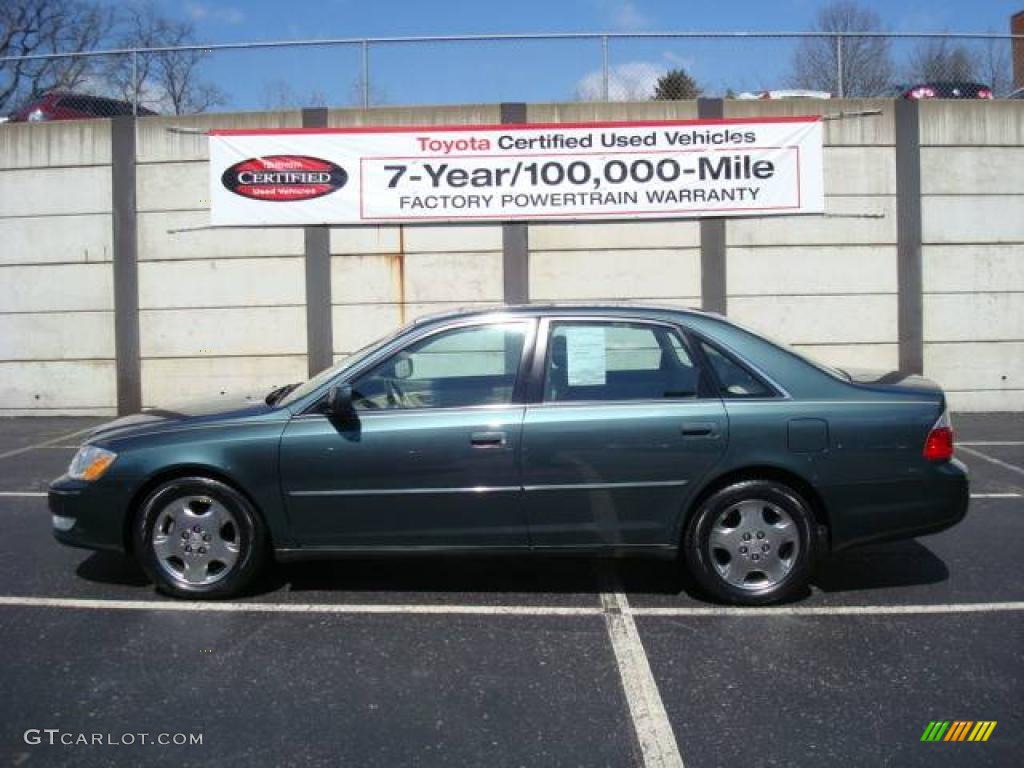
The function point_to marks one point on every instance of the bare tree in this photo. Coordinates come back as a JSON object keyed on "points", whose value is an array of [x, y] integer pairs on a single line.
{"points": [[34, 27], [937, 59], [280, 94], [841, 64], [994, 66], [166, 80]]}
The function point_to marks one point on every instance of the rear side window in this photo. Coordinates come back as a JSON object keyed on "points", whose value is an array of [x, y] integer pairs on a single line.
{"points": [[602, 361], [734, 380]]}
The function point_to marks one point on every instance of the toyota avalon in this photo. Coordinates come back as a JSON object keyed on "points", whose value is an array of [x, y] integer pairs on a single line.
{"points": [[605, 430]]}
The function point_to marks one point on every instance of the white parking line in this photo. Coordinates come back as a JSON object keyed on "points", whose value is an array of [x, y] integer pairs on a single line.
{"points": [[997, 495], [650, 721], [990, 442], [607, 607], [834, 610], [45, 443], [994, 460]]}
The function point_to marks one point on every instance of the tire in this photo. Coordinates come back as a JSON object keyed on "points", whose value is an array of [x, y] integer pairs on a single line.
{"points": [[199, 538], [751, 543]]}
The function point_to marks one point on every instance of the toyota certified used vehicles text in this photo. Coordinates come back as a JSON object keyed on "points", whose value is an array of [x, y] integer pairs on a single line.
{"points": [[600, 429]]}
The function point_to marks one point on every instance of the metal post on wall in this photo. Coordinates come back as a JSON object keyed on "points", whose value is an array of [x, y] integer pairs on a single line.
{"points": [[604, 67], [366, 74], [840, 86], [135, 82]]}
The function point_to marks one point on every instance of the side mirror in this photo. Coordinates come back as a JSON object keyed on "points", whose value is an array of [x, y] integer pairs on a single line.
{"points": [[339, 402]]}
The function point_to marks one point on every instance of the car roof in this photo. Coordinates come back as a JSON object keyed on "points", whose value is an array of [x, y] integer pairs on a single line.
{"points": [[564, 308]]}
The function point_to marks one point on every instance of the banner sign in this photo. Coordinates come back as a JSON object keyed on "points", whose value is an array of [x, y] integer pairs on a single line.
{"points": [[561, 171]]}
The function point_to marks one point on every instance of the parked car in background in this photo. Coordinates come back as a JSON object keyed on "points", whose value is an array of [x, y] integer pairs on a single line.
{"points": [[792, 93], [1018, 94], [605, 430], [63, 105], [943, 90]]}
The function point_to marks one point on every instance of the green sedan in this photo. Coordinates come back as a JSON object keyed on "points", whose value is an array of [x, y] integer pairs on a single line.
{"points": [[606, 430]]}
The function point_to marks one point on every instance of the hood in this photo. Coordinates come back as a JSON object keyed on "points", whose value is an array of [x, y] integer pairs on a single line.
{"points": [[186, 414]]}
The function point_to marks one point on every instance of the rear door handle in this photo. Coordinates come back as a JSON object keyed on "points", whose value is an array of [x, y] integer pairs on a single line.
{"points": [[699, 429], [488, 439]]}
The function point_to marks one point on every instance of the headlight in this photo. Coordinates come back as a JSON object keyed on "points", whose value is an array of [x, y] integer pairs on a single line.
{"points": [[90, 463]]}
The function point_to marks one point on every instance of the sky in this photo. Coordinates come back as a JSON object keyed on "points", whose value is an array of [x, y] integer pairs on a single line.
{"points": [[530, 71]]}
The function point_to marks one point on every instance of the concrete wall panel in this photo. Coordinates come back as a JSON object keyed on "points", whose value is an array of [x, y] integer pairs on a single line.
{"points": [[973, 219], [60, 386], [847, 221], [59, 144], [55, 191], [68, 335], [974, 317], [222, 283], [641, 274], [56, 239], [56, 288], [223, 332], [770, 271], [166, 382], [187, 235], [969, 268], [819, 319]]}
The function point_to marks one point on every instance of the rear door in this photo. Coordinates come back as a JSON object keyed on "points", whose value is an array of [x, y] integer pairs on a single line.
{"points": [[617, 433]]}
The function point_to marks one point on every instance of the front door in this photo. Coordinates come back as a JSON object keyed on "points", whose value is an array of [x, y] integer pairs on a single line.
{"points": [[621, 436], [431, 460]]}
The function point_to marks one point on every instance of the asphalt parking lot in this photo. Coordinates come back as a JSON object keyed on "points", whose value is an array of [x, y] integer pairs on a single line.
{"points": [[518, 662]]}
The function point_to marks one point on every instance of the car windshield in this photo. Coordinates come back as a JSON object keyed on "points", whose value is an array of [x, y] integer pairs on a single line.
{"points": [[326, 374]]}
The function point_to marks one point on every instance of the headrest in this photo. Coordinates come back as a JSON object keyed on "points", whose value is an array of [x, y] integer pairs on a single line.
{"points": [[559, 352]]}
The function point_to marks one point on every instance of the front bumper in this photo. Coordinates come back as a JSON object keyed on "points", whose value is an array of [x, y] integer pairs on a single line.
{"points": [[87, 515]]}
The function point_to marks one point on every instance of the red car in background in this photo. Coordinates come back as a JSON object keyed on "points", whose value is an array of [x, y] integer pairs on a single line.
{"points": [[944, 90], [63, 105]]}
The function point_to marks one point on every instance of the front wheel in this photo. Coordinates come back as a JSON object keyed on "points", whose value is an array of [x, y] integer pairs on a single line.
{"points": [[199, 538], [751, 543]]}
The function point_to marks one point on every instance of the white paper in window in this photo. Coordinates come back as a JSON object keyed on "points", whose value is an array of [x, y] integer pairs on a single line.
{"points": [[587, 361]]}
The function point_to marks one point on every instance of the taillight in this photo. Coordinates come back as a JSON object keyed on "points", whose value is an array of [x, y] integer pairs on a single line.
{"points": [[938, 446], [984, 93], [922, 92]]}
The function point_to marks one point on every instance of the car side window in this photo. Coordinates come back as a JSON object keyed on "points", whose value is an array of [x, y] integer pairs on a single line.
{"points": [[734, 380], [462, 367], [617, 361]]}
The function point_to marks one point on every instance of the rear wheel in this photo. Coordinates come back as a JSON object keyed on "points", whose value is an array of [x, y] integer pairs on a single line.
{"points": [[199, 538], [750, 543]]}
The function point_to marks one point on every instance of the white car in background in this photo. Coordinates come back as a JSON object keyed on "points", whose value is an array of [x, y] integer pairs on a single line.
{"points": [[791, 93]]}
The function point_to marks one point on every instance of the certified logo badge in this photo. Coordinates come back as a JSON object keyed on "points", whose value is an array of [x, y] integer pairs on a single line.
{"points": [[284, 178]]}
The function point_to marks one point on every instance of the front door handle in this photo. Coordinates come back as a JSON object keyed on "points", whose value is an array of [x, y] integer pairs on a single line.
{"points": [[699, 429], [488, 439]]}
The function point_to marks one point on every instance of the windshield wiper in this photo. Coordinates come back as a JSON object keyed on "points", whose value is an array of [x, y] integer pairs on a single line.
{"points": [[278, 394]]}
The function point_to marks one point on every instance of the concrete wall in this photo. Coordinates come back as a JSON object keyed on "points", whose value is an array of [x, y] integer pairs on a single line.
{"points": [[972, 212], [223, 313], [826, 284], [56, 276]]}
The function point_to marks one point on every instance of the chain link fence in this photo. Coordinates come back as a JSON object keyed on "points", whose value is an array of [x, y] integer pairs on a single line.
{"points": [[488, 69]]}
